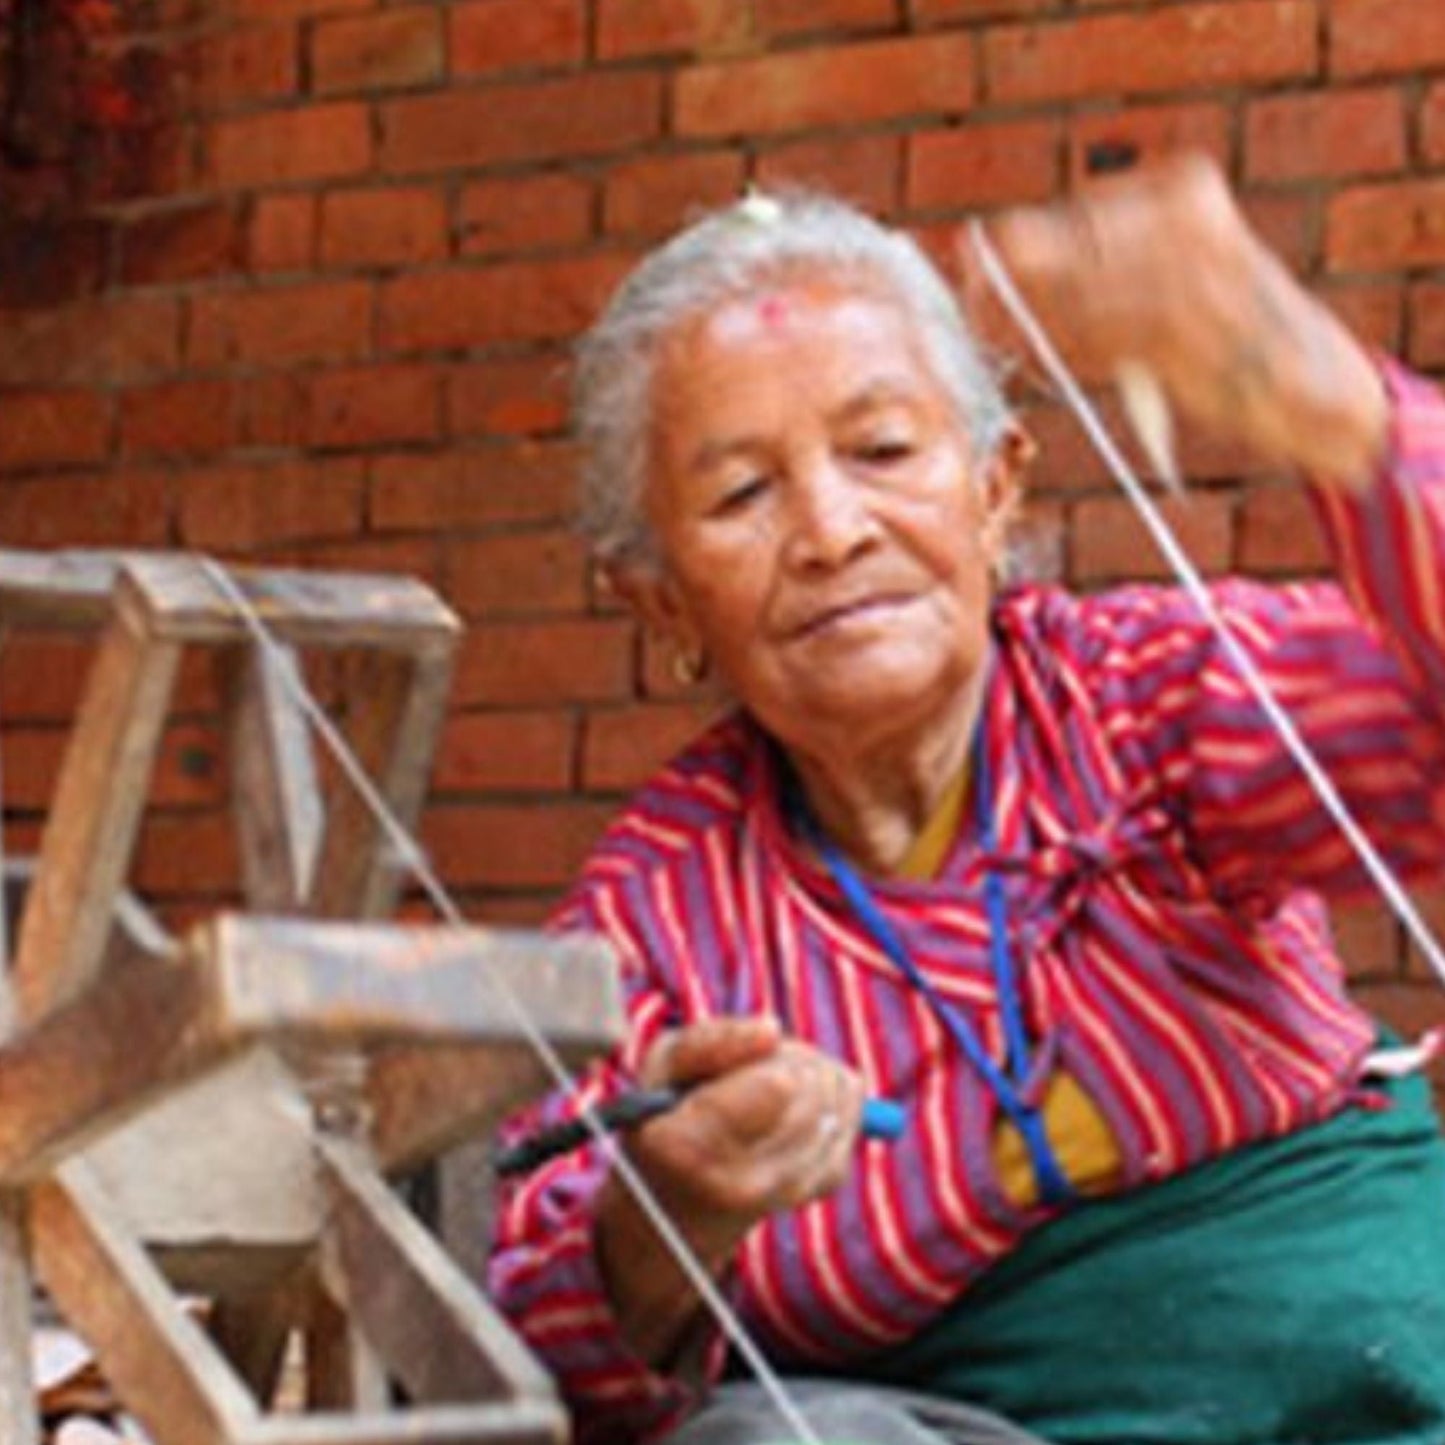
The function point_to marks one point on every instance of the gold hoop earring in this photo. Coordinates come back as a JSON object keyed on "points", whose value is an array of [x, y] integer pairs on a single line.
{"points": [[688, 668]]}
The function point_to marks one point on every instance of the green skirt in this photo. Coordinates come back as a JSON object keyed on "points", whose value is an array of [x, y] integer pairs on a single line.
{"points": [[1292, 1293]]}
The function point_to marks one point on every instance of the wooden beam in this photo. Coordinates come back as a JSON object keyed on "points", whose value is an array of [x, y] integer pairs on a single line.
{"points": [[159, 1360], [394, 710], [435, 1333], [90, 831], [523, 1423], [278, 806]]}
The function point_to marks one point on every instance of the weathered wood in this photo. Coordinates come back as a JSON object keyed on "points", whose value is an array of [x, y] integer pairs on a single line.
{"points": [[434, 1332], [17, 1384], [91, 828], [70, 589], [343, 1368], [279, 809], [252, 1327], [394, 707], [299, 609], [172, 1378], [523, 1423]]}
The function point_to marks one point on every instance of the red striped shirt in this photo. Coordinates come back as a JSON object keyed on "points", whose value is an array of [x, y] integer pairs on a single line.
{"points": [[1163, 863]]}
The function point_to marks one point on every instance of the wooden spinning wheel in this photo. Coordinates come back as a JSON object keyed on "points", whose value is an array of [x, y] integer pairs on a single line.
{"points": [[215, 1117]]}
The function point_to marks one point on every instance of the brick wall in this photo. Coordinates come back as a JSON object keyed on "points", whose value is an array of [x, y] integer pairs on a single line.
{"points": [[315, 308]]}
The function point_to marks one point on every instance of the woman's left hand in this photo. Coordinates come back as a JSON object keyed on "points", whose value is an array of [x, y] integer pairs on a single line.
{"points": [[1161, 268]]}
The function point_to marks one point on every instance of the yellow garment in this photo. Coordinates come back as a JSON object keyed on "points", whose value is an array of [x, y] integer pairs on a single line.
{"points": [[1087, 1152]]}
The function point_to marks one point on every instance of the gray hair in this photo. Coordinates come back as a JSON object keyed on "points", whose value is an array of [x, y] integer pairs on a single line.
{"points": [[756, 241]]}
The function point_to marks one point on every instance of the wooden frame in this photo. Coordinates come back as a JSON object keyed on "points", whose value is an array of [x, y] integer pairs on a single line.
{"points": [[218, 1115]]}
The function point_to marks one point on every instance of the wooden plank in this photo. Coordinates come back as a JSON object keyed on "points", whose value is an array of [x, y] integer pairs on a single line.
{"points": [[526, 1422], [18, 1424], [276, 790], [67, 589], [90, 832], [251, 1325], [184, 1175], [343, 1369], [376, 984], [298, 608], [441, 1339], [394, 707], [171, 1377]]}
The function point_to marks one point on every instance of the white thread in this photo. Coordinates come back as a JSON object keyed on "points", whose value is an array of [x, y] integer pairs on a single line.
{"points": [[409, 850], [1329, 796]]}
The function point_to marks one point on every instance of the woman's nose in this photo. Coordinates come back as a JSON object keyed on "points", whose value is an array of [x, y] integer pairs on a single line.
{"points": [[830, 519]]}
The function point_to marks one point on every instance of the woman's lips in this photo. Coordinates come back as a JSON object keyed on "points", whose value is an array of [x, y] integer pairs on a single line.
{"points": [[842, 613]]}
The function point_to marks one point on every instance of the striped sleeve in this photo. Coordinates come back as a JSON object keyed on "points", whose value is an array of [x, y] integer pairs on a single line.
{"points": [[543, 1270], [1359, 665]]}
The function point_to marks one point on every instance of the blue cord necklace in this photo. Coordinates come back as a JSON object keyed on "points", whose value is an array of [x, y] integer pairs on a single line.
{"points": [[1008, 1081]]}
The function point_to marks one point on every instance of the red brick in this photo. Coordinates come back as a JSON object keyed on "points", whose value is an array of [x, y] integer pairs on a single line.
{"points": [[656, 194], [789, 19], [1067, 461], [522, 664], [843, 85], [521, 482], [1182, 47], [190, 768], [1288, 223], [1109, 542], [282, 233], [180, 245], [44, 675], [1375, 37], [105, 341], [187, 855], [538, 121], [398, 226], [526, 397], [272, 410], [115, 509], [1430, 904], [275, 148], [1278, 533], [279, 10], [940, 12], [32, 763], [177, 418], [1340, 133], [1426, 328], [322, 322], [865, 169], [1374, 312], [517, 301], [241, 67], [377, 52], [374, 406], [52, 428], [1386, 227], [1367, 940], [397, 556], [524, 213], [489, 37], [1148, 132], [506, 752], [978, 166], [516, 574], [241, 507], [627, 28], [1432, 124], [623, 747], [504, 845]]}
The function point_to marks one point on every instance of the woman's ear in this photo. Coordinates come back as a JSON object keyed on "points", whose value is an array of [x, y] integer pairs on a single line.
{"points": [[1003, 479], [653, 596]]}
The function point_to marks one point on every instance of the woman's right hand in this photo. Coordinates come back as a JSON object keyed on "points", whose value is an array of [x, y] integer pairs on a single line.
{"points": [[766, 1123]]}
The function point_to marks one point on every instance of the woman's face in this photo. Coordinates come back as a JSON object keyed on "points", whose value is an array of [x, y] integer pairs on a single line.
{"points": [[822, 536]]}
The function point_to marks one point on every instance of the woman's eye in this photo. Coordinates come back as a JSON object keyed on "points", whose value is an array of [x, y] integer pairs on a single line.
{"points": [[737, 496], [885, 451]]}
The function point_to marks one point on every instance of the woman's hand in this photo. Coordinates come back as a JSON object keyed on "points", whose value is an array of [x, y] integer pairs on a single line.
{"points": [[767, 1123], [1161, 268]]}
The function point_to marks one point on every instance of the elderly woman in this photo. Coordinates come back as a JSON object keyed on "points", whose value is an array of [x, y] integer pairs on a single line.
{"points": [[1031, 865]]}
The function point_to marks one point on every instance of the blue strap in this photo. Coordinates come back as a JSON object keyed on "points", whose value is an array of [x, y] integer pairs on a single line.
{"points": [[1007, 1082]]}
